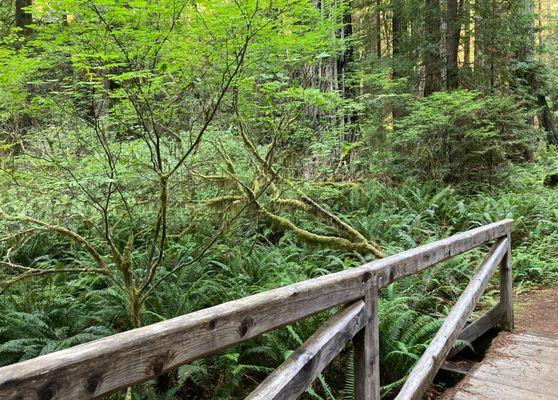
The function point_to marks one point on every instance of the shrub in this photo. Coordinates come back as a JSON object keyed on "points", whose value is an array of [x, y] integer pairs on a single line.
{"points": [[462, 136]]}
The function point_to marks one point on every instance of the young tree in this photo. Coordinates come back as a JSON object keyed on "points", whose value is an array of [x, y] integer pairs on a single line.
{"points": [[134, 97]]}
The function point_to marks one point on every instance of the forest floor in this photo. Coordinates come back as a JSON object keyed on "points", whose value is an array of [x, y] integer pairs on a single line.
{"points": [[537, 311]]}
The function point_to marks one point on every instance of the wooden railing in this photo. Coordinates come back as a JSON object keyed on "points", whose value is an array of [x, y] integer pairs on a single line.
{"points": [[98, 368]]}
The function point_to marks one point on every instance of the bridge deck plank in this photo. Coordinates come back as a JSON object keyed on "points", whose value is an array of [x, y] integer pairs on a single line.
{"points": [[517, 367]]}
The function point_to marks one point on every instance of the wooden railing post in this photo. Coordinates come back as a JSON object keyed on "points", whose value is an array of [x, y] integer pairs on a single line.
{"points": [[506, 289], [367, 350]]}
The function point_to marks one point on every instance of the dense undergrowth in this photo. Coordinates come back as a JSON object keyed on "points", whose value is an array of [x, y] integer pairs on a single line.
{"points": [[56, 312]]}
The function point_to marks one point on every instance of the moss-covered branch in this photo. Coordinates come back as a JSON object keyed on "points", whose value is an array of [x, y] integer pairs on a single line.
{"points": [[310, 205], [63, 231]]}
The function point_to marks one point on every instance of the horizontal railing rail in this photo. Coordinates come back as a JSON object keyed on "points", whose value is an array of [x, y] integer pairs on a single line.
{"points": [[101, 367]]}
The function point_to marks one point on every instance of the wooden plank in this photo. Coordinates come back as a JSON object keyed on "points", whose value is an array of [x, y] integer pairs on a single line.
{"points": [[415, 260], [302, 367], [506, 288], [531, 375], [478, 389], [426, 368], [517, 366], [542, 338], [531, 353], [367, 351], [478, 327], [101, 367], [529, 348]]}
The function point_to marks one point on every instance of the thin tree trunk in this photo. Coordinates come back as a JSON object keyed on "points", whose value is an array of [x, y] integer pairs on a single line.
{"points": [[452, 44], [345, 59], [378, 29], [397, 35], [529, 48], [432, 58], [467, 35], [539, 22], [478, 59], [397, 29], [343, 69]]}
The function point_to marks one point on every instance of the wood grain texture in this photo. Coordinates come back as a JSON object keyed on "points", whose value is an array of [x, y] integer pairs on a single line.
{"points": [[428, 365], [520, 366], [506, 288], [101, 367], [367, 351], [302, 367], [483, 390]]}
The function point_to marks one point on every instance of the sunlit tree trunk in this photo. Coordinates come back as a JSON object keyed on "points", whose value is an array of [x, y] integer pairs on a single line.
{"points": [[378, 29]]}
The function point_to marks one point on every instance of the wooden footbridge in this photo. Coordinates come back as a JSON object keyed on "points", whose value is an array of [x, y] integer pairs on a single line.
{"points": [[96, 369]]}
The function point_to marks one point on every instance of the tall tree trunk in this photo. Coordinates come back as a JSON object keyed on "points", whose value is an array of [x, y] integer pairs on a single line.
{"points": [[23, 17], [397, 35], [467, 34], [343, 69], [452, 44], [346, 57], [477, 33], [378, 29], [432, 58], [527, 55], [397, 31], [324, 77], [540, 22], [528, 50]]}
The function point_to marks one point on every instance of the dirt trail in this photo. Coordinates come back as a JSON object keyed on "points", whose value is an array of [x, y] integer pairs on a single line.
{"points": [[537, 311]]}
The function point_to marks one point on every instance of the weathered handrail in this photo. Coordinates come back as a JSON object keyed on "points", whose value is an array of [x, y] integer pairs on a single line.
{"points": [[98, 368], [425, 369]]}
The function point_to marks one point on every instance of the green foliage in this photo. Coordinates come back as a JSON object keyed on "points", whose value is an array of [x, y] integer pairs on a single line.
{"points": [[462, 136], [51, 320]]}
